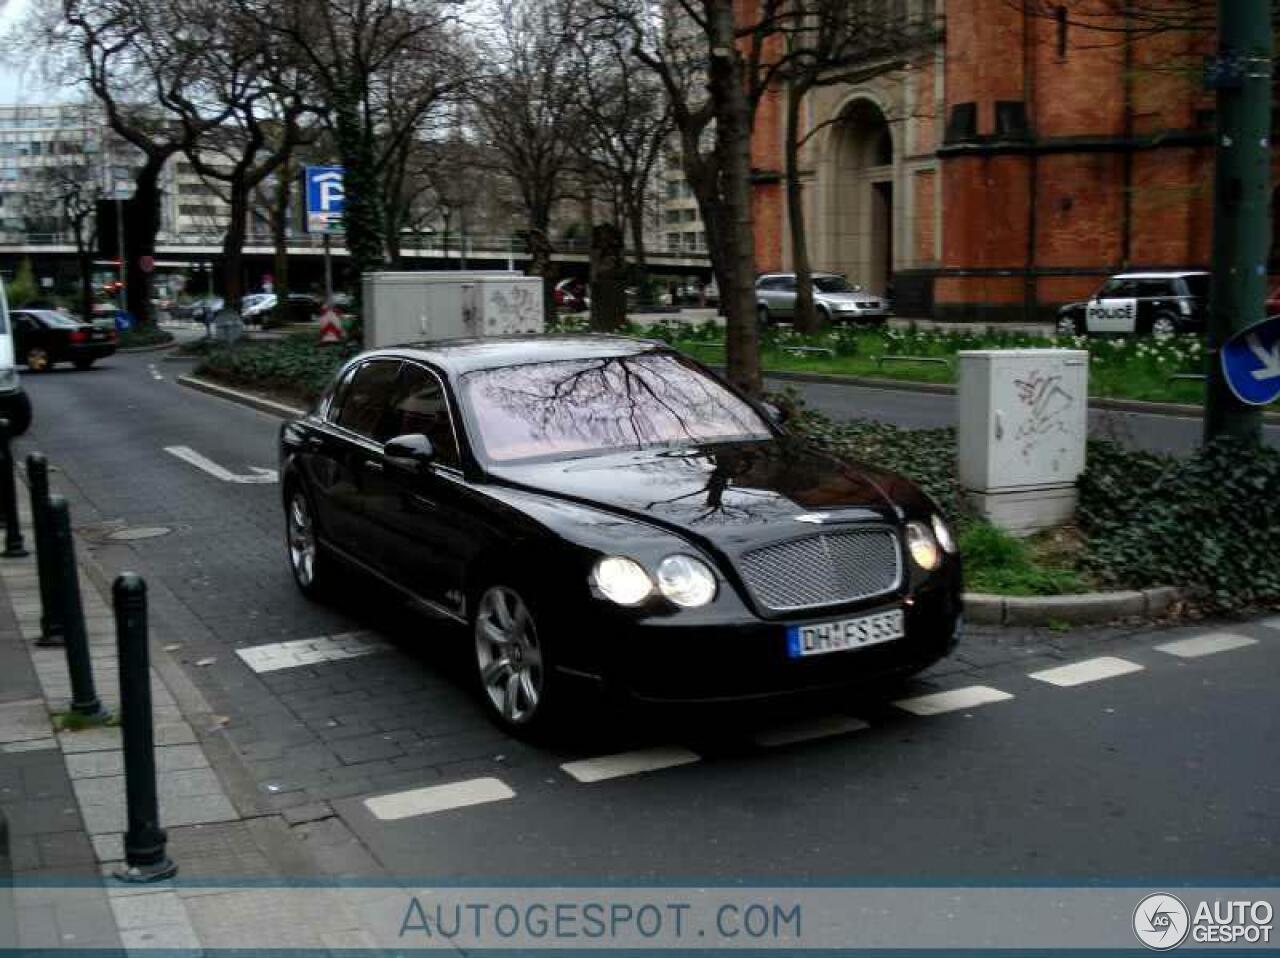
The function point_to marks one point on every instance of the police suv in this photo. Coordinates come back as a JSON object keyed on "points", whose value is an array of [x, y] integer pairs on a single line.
{"points": [[1159, 304]]}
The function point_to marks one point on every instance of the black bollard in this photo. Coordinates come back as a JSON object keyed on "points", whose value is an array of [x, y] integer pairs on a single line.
{"points": [[84, 698], [52, 631], [144, 843], [14, 547]]}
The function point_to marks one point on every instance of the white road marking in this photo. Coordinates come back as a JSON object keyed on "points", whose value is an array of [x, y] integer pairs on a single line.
{"points": [[1090, 670], [808, 731], [953, 701], [1272, 623], [155, 373], [629, 763], [438, 798], [300, 652], [1210, 644], [258, 476]]}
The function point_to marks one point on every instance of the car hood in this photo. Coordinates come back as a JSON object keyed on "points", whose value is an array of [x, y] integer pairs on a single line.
{"points": [[727, 494]]}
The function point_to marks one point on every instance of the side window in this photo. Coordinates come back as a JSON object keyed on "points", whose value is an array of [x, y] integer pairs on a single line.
{"points": [[366, 400], [1197, 286], [421, 406], [768, 283], [787, 284], [25, 324], [1156, 289], [1118, 289]]}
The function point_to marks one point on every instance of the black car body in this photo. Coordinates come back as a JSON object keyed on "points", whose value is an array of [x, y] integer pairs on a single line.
{"points": [[43, 337], [1162, 304], [546, 460]]}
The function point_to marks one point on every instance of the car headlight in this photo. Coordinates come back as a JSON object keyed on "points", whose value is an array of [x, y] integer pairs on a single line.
{"points": [[686, 581], [622, 580], [923, 546], [943, 534]]}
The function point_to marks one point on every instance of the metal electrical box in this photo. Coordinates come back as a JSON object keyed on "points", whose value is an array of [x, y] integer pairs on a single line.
{"points": [[1024, 420], [420, 307]]}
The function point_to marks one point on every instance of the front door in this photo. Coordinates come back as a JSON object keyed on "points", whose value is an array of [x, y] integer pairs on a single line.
{"points": [[1114, 309]]}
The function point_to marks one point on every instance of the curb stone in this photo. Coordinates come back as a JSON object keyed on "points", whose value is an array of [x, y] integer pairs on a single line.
{"points": [[1092, 608]]}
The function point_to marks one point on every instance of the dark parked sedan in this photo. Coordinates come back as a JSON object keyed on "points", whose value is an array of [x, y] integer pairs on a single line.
{"points": [[43, 337], [605, 510]]}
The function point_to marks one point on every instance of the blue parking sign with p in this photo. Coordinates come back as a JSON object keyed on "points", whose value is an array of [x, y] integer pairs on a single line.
{"points": [[326, 198], [1251, 363]]}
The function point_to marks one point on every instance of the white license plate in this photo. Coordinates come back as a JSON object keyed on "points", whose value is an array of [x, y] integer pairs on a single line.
{"points": [[846, 634]]}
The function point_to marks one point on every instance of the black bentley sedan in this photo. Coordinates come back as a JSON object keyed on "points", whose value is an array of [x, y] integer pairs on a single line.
{"points": [[605, 510]]}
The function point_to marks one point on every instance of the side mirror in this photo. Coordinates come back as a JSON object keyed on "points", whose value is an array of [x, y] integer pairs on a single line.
{"points": [[409, 452], [777, 415]]}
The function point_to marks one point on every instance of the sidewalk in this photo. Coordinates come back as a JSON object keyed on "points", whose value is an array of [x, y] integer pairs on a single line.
{"points": [[63, 795]]}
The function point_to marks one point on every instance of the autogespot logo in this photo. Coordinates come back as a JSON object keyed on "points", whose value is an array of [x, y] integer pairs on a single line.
{"points": [[1161, 922]]}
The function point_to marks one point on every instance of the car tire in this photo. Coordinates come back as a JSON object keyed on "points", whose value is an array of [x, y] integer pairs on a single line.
{"points": [[307, 561], [518, 686], [824, 316], [37, 360], [1068, 326], [1164, 326], [17, 409], [762, 317], [84, 364]]}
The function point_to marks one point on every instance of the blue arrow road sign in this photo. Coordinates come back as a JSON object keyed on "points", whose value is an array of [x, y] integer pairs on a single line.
{"points": [[1251, 363], [326, 198]]}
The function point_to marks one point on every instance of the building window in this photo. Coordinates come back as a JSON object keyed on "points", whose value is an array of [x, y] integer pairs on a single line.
{"points": [[1060, 14]]}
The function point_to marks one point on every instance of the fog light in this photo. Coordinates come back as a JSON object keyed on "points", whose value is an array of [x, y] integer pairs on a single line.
{"points": [[686, 581], [923, 546], [622, 580]]}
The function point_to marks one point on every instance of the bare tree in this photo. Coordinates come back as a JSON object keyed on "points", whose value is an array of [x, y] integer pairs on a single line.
{"points": [[137, 58], [526, 108], [379, 67], [72, 189]]}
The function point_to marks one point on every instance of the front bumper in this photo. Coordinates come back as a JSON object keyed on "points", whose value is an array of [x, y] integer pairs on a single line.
{"points": [[741, 657], [860, 315]]}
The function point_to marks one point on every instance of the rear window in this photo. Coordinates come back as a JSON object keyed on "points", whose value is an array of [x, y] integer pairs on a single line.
{"points": [[59, 320]]}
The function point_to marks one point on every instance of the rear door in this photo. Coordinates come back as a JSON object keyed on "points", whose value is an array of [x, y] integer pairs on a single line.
{"points": [[1115, 308], [354, 475]]}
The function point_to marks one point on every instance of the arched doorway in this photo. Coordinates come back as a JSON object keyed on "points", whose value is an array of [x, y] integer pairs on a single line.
{"points": [[861, 207]]}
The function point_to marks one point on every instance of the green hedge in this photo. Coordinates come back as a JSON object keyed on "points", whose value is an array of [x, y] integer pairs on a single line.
{"points": [[295, 367], [1208, 524]]}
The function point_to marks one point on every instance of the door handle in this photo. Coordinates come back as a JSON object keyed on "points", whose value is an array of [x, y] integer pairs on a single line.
{"points": [[373, 465]]}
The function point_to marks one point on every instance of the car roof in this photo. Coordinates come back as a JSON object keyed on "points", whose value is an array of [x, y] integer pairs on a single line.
{"points": [[1168, 274], [460, 356]]}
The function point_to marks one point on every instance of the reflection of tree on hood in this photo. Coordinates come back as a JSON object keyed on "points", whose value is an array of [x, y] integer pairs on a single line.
{"points": [[616, 402]]}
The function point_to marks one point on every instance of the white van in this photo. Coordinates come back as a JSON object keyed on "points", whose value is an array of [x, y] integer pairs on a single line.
{"points": [[14, 404]]}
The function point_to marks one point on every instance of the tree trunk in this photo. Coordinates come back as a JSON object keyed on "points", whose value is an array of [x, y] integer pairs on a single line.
{"points": [[280, 233], [363, 214], [733, 149], [806, 315], [141, 224], [608, 279], [233, 244], [540, 264], [638, 251]]}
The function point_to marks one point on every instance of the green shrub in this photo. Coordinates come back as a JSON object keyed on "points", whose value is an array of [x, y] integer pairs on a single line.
{"points": [[1000, 563], [297, 366], [22, 288], [1207, 524]]}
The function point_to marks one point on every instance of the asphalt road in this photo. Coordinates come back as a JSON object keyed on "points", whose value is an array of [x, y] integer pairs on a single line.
{"points": [[1166, 772], [1171, 435]]}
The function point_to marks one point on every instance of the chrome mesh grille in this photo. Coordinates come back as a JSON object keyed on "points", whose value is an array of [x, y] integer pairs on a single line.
{"points": [[826, 569]]}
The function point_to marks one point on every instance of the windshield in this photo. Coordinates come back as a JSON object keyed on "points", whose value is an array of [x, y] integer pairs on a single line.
{"points": [[52, 318], [581, 407], [835, 284]]}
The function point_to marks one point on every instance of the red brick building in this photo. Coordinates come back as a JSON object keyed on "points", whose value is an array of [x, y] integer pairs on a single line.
{"points": [[1005, 167]]}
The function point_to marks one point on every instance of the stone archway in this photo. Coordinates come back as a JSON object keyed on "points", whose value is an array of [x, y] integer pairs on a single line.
{"points": [[861, 202]]}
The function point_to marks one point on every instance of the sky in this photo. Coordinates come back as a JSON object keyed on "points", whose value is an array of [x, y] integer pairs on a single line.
{"points": [[20, 81]]}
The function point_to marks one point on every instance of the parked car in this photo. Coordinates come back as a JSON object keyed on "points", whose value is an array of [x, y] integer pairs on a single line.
{"points": [[571, 295], [1160, 304], [835, 298], [256, 306], [45, 337], [605, 510], [15, 405]]}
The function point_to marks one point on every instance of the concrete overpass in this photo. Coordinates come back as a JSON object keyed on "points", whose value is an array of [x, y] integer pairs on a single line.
{"points": [[200, 258]]}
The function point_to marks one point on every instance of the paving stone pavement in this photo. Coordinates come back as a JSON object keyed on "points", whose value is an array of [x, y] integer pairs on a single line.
{"points": [[62, 794]]}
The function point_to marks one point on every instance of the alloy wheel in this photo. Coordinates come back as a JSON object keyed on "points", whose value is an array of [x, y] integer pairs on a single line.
{"points": [[302, 541], [1164, 328], [508, 655], [37, 360]]}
